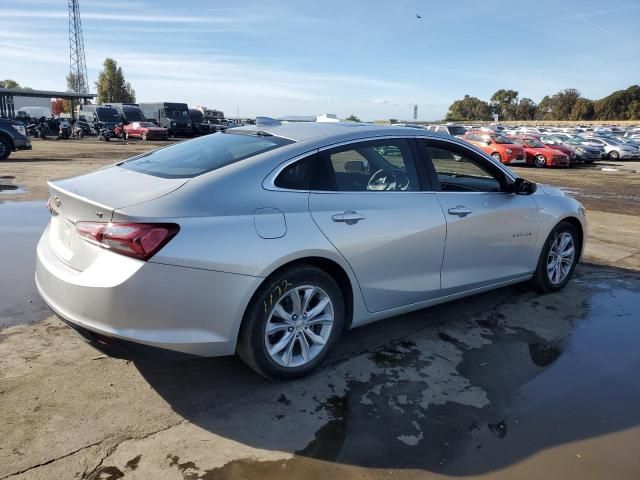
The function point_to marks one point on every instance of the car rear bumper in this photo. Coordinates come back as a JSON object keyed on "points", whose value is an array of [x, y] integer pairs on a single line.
{"points": [[186, 310]]}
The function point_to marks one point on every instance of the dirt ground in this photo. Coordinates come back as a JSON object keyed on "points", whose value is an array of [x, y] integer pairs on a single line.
{"points": [[507, 384]]}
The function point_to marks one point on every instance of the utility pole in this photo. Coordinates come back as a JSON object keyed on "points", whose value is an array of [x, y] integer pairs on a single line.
{"points": [[77, 61]]}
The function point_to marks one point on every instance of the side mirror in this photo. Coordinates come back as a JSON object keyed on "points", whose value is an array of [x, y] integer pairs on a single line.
{"points": [[487, 142], [524, 187], [354, 166]]}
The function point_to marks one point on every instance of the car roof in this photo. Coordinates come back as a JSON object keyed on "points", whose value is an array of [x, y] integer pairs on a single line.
{"points": [[302, 131]]}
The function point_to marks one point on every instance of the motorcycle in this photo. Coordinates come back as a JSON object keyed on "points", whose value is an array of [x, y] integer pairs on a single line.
{"points": [[38, 128], [103, 132], [64, 130], [77, 131]]}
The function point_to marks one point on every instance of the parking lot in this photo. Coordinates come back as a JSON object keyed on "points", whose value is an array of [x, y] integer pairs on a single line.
{"points": [[507, 384]]}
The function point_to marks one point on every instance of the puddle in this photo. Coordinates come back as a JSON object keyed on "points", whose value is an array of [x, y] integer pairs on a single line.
{"points": [[541, 395], [21, 224], [8, 188]]}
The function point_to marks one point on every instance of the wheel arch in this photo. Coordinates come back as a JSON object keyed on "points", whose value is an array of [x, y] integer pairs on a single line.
{"points": [[577, 224], [329, 266], [8, 138]]}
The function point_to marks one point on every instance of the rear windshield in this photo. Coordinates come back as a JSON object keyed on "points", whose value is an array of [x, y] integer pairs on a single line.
{"points": [[195, 157]]}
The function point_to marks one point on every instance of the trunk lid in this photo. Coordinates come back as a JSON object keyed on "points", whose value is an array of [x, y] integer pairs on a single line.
{"points": [[93, 198]]}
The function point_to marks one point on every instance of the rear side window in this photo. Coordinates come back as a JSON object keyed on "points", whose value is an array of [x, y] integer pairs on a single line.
{"points": [[297, 176], [195, 157]]}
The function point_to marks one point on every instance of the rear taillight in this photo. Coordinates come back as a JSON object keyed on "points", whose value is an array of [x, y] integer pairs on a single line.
{"points": [[137, 240]]}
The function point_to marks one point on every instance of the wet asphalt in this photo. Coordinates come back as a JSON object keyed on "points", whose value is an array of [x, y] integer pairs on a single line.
{"points": [[21, 224], [481, 386]]}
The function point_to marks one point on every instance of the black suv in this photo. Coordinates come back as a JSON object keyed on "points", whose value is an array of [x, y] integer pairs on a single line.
{"points": [[13, 136]]}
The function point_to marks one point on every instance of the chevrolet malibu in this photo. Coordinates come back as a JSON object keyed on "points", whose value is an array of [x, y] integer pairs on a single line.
{"points": [[270, 241]]}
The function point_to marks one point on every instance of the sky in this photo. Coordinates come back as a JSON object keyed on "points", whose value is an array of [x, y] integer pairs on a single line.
{"points": [[374, 59]]}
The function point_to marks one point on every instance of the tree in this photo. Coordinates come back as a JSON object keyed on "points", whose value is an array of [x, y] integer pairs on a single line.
{"points": [[505, 103], [468, 109], [620, 105], [59, 106], [111, 85], [352, 118], [583, 109], [526, 109], [8, 83]]}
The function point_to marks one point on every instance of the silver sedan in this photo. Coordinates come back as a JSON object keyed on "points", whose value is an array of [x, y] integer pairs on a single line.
{"points": [[270, 241]]}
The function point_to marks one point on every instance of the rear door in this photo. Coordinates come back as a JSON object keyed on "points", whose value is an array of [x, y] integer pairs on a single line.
{"points": [[373, 206], [491, 233]]}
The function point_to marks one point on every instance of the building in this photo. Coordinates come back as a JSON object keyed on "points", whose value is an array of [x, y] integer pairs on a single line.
{"points": [[13, 99]]}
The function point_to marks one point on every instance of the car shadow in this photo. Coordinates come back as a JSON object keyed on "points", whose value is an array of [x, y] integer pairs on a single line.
{"points": [[462, 389]]}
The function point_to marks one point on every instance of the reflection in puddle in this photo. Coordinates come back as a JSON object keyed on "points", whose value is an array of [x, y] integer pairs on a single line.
{"points": [[21, 224], [541, 394]]}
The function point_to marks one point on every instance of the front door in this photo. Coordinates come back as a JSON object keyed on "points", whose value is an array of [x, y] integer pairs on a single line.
{"points": [[491, 233], [375, 212]]}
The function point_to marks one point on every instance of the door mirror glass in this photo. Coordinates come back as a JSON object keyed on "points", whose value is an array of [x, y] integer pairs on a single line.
{"points": [[524, 187], [487, 142]]}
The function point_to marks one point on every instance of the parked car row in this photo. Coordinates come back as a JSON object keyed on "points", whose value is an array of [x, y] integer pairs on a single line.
{"points": [[546, 146], [160, 120]]}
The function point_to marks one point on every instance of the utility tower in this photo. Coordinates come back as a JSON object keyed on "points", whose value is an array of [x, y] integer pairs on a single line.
{"points": [[78, 63]]}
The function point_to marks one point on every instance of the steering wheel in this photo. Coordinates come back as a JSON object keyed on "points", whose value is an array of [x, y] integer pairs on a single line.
{"points": [[388, 180]]}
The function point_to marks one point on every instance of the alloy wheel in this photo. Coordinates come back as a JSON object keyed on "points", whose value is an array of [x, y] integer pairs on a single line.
{"points": [[560, 258], [299, 326], [540, 161]]}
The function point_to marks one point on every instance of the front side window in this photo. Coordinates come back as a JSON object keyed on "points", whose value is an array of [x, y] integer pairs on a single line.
{"points": [[373, 166], [459, 170]]}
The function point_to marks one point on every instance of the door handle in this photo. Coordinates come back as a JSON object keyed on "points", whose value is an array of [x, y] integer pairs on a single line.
{"points": [[459, 210], [349, 217]]}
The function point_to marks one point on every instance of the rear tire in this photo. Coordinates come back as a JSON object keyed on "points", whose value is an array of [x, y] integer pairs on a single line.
{"points": [[540, 161], [5, 149], [295, 347], [547, 277]]}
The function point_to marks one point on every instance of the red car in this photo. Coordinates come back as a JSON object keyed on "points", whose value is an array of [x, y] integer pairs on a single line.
{"points": [[539, 154], [568, 151], [145, 131], [497, 145]]}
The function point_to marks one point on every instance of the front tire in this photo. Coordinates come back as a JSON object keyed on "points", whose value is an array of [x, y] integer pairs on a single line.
{"points": [[614, 155], [5, 149], [558, 259], [540, 161], [293, 321], [497, 156]]}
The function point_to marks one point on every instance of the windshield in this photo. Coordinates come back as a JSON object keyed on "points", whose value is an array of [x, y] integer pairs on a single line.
{"points": [[610, 141], [196, 116], [457, 130], [107, 114], [133, 114], [195, 157], [501, 139], [147, 124], [176, 114], [533, 143]]}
